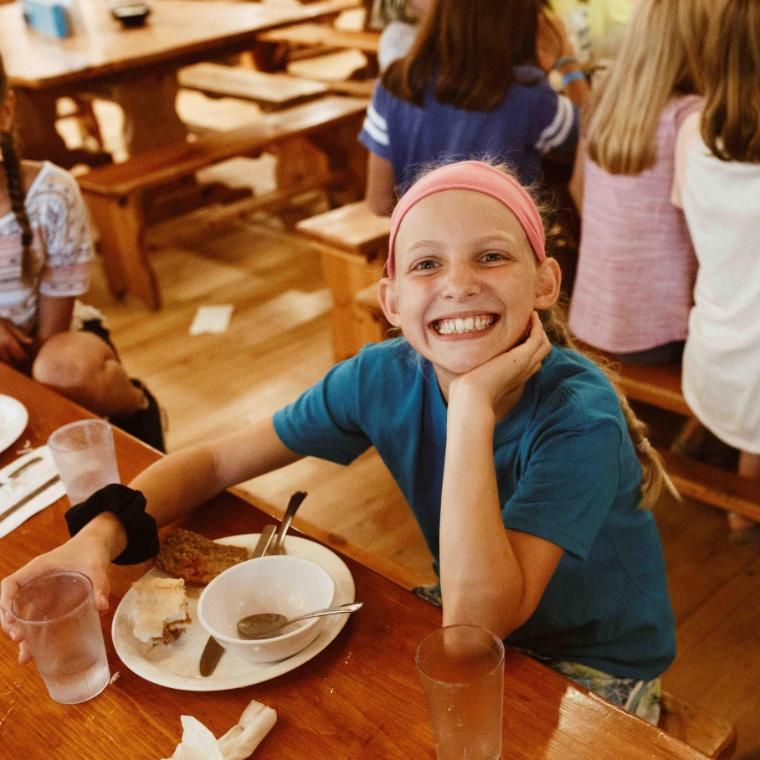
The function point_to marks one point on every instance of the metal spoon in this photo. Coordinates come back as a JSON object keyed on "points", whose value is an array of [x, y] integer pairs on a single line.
{"points": [[263, 625]]}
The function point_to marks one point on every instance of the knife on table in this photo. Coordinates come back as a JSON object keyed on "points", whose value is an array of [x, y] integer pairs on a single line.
{"points": [[213, 650], [21, 502]]}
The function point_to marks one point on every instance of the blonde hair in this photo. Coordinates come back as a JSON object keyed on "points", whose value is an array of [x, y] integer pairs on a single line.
{"points": [[659, 58], [731, 116]]}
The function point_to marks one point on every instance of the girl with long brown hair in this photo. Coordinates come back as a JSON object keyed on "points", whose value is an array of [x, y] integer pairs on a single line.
{"points": [[471, 87], [45, 256]]}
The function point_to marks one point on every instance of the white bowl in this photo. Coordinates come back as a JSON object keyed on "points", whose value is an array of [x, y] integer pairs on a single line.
{"points": [[290, 586]]}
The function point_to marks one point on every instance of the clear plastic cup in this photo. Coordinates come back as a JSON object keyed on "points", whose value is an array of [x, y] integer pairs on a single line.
{"points": [[85, 456], [58, 620], [462, 671]]}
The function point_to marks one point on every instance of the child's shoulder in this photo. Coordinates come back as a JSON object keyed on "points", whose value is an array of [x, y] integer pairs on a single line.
{"points": [[49, 176], [571, 381]]}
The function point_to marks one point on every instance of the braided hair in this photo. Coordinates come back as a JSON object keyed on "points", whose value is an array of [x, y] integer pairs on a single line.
{"points": [[654, 477], [15, 184]]}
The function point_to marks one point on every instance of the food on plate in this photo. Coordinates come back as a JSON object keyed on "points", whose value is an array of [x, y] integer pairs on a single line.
{"points": [[196, 558], [160, 610]]}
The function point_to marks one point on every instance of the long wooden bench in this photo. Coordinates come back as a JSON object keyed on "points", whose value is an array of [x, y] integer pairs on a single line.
{"points": [[352, 242], [116, 194], [333, 67], [660, 386], [269, 91], [323, 37], [655, 385]]}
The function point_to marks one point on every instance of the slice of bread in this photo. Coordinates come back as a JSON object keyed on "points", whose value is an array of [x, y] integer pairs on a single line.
{"points": [[160, 610], [196, 558]]}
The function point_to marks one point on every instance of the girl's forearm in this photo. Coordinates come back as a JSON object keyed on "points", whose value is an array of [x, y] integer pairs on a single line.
{"points": [[177, 484], [481, 579]]}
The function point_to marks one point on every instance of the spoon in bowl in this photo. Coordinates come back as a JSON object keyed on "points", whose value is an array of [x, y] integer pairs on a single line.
{"points": [[263, 625]]}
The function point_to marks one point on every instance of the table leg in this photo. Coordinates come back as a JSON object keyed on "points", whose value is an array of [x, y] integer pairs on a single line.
{"points": [[36, 116], [150, 114]]}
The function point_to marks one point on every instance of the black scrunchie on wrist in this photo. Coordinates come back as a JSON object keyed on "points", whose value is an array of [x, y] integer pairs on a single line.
{"points": [[129, 506]]}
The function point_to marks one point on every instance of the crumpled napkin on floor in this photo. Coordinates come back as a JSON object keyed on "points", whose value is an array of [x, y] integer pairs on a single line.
{"points": [[198, 743], [32, 477]]}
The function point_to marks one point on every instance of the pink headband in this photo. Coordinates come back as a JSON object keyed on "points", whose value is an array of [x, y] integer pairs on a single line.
{"points": [[482, 178]]}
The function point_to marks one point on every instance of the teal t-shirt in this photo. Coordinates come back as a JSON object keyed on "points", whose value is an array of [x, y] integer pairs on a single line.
{"points": [[567, 472]]}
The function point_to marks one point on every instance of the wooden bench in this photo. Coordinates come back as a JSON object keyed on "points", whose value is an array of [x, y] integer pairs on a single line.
{"points": [[337, 50], [116, 195], [712, 736], [333, 67], [268, 91], [322, 37], [660, 386], [353, 243]]}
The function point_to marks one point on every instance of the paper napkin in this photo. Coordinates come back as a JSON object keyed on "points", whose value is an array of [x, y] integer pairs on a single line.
{"points": [[211, 319], [12, 490], [198, 743]]}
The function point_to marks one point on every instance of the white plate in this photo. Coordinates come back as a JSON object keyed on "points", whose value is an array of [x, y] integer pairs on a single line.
{"points": [[176, 665], [13, 419]]}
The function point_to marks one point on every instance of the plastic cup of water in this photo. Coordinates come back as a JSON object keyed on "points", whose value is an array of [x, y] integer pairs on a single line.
{"points": [[58, 620], [462, 671], [85, 457]]}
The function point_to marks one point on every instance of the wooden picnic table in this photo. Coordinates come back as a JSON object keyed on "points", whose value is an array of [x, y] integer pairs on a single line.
{"points": [[359, 698], [134, 67]]}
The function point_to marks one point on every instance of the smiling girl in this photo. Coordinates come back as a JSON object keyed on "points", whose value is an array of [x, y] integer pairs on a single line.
{"points": [[512, 449]]}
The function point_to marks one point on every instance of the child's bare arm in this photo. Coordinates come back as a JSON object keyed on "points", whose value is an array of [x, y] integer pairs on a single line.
{"points": [[380, 193], [489, 576], [173, 486], [15, 345], [179, 483], [53, 317]]}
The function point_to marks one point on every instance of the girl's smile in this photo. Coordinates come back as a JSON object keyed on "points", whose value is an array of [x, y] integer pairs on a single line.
{"points": [[466, 282], [464, 324]]}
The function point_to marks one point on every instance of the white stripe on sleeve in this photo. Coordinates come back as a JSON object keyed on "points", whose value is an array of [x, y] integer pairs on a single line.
{"points": [[378, 135], [556, 133]]}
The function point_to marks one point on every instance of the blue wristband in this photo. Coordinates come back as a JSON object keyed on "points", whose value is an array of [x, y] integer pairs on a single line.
{"points": [[572, 76]]}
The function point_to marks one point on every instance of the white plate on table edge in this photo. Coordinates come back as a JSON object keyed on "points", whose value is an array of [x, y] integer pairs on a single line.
{"points": [[176, 665], [13, 419]]}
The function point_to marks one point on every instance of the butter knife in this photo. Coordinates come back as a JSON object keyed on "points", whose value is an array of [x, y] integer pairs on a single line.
{"points": [[213, 650], [26, 499]]}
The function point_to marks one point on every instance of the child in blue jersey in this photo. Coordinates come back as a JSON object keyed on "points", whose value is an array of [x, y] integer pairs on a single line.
{"points": [[473, 84], [512, 449]]}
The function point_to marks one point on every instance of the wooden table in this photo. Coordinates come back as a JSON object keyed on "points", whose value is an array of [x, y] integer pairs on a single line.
{"points": [[359, 698], [135, 67]]}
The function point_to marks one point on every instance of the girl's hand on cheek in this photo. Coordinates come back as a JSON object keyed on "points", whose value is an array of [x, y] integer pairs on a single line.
{"points": [[499, 382]]}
